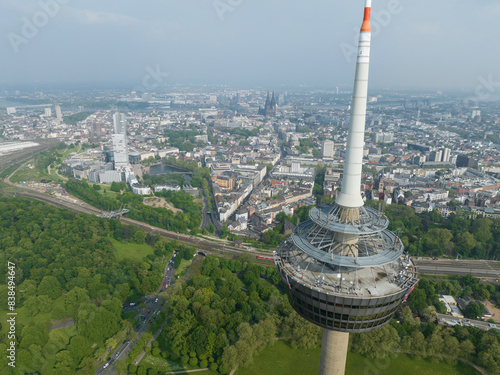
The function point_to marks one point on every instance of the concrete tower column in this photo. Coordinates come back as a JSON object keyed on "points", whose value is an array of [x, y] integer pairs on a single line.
{"points": [[333, 352]]}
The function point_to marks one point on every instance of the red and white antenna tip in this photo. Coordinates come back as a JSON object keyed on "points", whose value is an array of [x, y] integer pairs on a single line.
{"points": [[366, 27]]}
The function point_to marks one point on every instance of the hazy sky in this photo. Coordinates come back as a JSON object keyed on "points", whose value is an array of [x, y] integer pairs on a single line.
{"points": [[418, 44]]}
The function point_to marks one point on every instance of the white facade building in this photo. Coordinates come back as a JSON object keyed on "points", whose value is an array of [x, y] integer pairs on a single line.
{"points": [[328, 149]]}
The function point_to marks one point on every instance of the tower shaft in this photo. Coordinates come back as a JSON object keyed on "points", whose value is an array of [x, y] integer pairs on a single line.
{"points": [[350, 196], [333, 352]]}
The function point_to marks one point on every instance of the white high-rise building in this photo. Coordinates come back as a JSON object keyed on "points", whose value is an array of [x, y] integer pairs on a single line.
{"points": [[58, 112], [328, 149], [119, 139], [47, 112], [383, 137], [436, 155], [445, 154], [119, 125]]}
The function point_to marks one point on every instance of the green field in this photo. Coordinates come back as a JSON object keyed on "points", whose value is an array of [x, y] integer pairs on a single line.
{"points": [[68, 151], [161, 364], [30, 175], [181, 270], [130, 250], [280, 359]]}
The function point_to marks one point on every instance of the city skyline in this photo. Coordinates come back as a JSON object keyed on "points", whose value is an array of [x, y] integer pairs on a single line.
{"points": [[272, 44]]}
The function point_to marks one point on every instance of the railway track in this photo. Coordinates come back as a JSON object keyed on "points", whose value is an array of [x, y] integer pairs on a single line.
{"points": [[199, 243], [22, 155], [478, 268]]}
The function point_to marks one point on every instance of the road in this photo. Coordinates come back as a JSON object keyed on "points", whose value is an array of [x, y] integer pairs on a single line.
{"points": [[209, 217], [146, 316]]}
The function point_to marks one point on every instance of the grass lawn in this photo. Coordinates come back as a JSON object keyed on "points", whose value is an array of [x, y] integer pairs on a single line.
{"points": [[130, 250], [181, 270], [161, 364], [53, 174], [70, 150], [30, 175], [280, 359], [108, 192]]}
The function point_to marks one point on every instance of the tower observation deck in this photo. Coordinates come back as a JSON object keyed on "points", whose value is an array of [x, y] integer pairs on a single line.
{"points": [[345, 272]]}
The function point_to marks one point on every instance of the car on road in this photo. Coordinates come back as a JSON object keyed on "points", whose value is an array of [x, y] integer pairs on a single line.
{"points": [[156, 300], [164, 284], [106, 365], [132, 304]]}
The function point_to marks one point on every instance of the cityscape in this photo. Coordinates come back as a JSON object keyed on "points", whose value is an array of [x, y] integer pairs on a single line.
{"points": [[253, 226]]}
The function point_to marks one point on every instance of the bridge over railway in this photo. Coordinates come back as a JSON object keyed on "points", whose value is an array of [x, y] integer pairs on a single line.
{"points": [[114, 214]]}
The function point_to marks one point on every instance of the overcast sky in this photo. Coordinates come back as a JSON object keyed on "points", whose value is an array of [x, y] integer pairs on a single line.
{"points": [[418, 44]]}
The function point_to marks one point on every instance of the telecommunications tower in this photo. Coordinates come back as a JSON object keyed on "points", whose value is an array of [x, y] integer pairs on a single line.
{"points": [[345, 271]]}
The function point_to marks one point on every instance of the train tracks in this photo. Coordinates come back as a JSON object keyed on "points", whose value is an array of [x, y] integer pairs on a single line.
{"points": [[199, 243], [16, 157], [478, 268]]}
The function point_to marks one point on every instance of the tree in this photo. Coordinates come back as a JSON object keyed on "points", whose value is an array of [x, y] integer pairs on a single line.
{"points": [[49, 286], [465, 243], [300, 332], [74, 298], [229, 359], [115, 186], [438, 241], [224, 231], [377, 343], [45, 303], [79, 347], [481, 228], [474, 310], [430, 314], [31, 306], [63, 363], [467, 349]]}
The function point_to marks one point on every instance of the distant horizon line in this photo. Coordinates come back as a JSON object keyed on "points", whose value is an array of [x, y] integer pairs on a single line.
{"points": [[127, 87]]}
